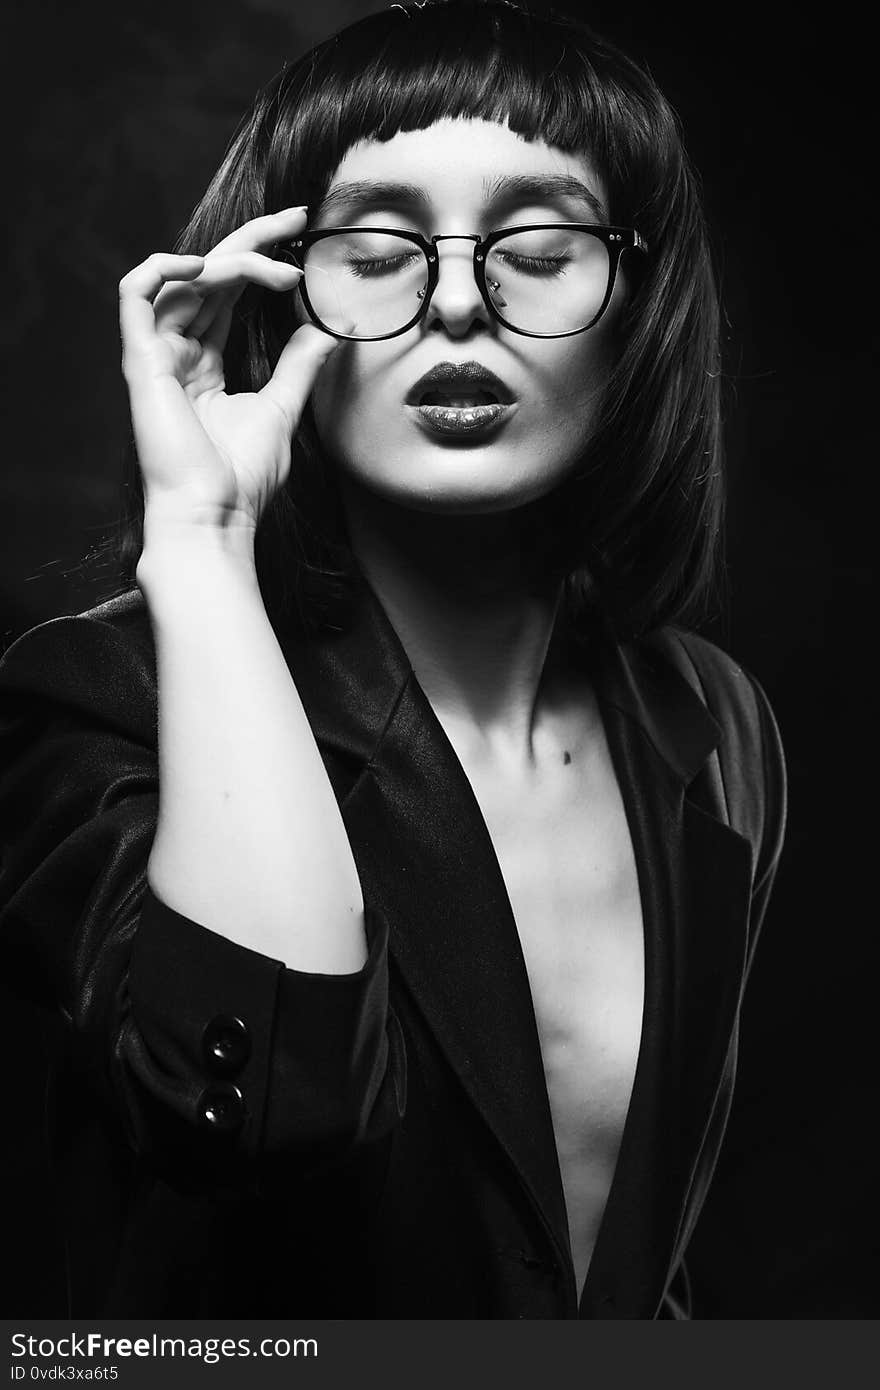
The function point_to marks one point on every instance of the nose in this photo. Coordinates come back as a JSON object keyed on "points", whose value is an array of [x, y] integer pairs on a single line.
{"points": [[456, 303]]}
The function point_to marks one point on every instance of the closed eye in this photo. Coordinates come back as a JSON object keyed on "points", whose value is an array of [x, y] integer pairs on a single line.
{"points": [[366, 266], [534, 265]]}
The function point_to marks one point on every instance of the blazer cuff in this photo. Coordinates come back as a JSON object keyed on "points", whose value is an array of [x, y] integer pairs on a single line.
{"points": [[232, 1054]]}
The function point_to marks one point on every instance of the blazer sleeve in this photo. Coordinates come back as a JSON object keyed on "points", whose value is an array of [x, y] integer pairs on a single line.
{"points": [[216, 1059]]}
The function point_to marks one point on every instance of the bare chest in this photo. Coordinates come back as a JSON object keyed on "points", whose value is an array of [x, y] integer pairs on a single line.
{"points": [[568, 865]]}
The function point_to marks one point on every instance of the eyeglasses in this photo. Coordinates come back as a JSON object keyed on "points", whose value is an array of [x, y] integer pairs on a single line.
{"points": [[542, 280]]}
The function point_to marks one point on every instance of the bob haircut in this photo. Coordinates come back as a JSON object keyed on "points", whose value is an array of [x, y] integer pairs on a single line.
{"points": [[635, 531]]}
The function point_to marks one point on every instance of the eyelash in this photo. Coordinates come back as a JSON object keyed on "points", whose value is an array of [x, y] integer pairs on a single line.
{"points": [[367, 266], [534, 265]]}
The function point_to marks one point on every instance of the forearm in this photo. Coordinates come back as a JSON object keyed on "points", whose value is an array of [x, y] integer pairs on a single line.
{"points": [[250, 841]]}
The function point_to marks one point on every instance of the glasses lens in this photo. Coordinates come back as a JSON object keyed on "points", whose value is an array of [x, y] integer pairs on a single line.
{"points": [[371, 279], [550, 280]]}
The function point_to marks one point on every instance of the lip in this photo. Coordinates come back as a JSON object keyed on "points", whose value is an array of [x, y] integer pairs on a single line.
{"points": [[462, 421], [471, 376]]}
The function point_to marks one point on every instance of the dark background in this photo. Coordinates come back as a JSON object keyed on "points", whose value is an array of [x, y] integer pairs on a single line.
{"points": [[118, 118]]}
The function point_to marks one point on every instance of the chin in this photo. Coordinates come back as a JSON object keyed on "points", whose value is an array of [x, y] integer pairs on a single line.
{"points": [[457, 485]]}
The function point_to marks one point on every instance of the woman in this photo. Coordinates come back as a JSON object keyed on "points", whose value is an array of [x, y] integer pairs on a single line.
{"points": [[395, 858]]}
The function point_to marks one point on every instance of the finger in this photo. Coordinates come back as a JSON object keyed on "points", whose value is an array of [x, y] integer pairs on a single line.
{"points": [[139, 288], [264, 231], [215, 336], [179, 307], [226, 299], [297, 368]]}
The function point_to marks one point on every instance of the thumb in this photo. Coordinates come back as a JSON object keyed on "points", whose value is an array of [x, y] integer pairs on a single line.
{"points": [[298, 366]]}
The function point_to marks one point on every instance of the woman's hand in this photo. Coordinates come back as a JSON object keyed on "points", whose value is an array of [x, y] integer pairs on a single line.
{"points": [[208, 458]]}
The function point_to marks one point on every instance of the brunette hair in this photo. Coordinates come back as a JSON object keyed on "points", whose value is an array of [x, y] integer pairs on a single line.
{"points": [[636, 530]]}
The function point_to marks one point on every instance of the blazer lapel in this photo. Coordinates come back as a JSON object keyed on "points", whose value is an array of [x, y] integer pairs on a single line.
{"points": [[426, 861], [694, 879]]}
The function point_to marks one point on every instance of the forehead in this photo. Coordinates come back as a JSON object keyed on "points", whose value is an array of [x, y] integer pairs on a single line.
{"points": [[463, 162]]}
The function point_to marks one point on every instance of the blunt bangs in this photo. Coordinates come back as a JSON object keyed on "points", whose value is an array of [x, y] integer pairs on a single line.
{"points": [[405, 69], [635, 532]]}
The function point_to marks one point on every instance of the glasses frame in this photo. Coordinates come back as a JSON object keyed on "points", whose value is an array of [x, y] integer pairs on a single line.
{"points": [[616, 239]]}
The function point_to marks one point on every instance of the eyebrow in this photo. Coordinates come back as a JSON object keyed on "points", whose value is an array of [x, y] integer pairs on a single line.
{"points": [[508, 189]]}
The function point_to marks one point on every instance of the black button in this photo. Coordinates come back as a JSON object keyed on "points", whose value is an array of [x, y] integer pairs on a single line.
{"points": [[221, 1108], [226, 1045]]}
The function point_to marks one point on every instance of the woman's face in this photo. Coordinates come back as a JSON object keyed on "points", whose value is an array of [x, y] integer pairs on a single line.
{"points": [[367, 420]]}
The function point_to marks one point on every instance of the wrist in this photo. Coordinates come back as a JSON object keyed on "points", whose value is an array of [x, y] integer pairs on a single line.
{"points": [[178, 548]]}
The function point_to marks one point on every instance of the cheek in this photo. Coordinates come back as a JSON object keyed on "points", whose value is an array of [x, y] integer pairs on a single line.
{"points": [[331, 408], [571, 373], [570, 384], [347, 400], [300, 317]]}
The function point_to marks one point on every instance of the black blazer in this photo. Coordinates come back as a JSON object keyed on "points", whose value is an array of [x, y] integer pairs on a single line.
{"points": [[234, 1138]]}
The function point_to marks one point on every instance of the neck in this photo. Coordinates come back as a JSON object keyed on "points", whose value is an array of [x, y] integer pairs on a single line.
{"points": [[473, 600]]}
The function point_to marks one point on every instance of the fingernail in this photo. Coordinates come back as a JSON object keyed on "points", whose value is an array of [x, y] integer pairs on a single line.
{"points": [[303, 208]]}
